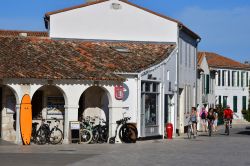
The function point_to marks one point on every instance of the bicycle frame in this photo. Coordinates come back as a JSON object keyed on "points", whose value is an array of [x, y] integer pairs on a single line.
{"points": [[227, 126]]}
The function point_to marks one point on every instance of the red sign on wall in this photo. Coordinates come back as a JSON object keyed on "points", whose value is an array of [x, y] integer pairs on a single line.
{"points": [[119, 94]]}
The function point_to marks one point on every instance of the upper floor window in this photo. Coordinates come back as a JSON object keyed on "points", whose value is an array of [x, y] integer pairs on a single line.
{"points": [[224, 77], [168, 75], [219, 77], [228, 77], [234, 78], [243, 79], [207, 84], [247, 80]]}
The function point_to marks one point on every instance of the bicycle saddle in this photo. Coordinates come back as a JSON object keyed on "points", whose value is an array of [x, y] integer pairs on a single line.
{"points": [[35, 123]]}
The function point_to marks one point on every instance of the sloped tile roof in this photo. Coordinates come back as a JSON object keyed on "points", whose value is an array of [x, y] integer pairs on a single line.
{"points": [[61, 59], [47, 15], [218, 61], [16, 33]]}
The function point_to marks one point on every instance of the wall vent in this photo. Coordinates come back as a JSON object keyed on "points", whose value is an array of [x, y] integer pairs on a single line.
{"points": [[116, 6]]}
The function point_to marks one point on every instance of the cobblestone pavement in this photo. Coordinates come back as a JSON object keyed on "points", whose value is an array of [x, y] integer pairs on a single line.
{"points": [[219, 150]]}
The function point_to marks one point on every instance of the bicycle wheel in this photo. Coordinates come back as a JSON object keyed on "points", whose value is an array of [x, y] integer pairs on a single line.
{"points": [[189, 132], [104, 134], [227, 129], [96, 134], [128, 133], [41, 137], [86, 136], [56, 136], [209, 130]]}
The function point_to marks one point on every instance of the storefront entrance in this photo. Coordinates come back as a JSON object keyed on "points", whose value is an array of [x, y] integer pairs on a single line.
{"points": [[150, 109]]}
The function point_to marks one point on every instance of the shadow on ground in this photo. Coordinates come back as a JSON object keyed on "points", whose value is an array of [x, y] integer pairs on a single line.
{"points": [[2, 142], [244, 132]]}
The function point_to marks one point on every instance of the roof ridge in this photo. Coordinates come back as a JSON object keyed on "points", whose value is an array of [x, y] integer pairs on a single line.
{"points": [[74, 7]]}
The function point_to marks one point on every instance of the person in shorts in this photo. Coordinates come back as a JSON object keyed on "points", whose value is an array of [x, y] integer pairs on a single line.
{"points": [[215, 127], [193, 119], [203, 116]]}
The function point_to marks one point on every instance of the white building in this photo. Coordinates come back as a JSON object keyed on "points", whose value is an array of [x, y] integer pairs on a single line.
{"points": [[94, 48], [231, 82], [120, 20], [205, 83]]}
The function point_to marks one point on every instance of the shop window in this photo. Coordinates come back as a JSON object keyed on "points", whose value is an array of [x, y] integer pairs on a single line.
{"points": [[150, 102], [151, 109], [155, 88], [147, 87]]}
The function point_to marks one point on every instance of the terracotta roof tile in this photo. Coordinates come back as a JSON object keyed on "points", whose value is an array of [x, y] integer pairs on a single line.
{"points": [[58, 59], [218, 61], [17, 33]]}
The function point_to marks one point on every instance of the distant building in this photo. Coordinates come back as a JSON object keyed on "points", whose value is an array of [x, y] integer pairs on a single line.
{"points": [[231, 82]]}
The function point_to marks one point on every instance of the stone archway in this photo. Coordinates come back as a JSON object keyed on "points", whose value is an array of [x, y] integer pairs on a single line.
{"points": [[94, 102], [48, 103], [8, 102]]}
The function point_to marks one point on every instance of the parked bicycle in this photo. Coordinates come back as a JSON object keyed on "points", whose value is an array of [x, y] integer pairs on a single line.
{"points": [[45, 135], [100, 132], [34, 132], [86, 128], [128, 132]]}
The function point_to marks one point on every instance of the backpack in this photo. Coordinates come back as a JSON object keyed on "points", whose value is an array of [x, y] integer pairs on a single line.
{"points": [[203, 115]]}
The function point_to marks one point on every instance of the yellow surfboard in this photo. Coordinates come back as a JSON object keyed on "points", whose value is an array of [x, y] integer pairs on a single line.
{"points": [[26, 119]]}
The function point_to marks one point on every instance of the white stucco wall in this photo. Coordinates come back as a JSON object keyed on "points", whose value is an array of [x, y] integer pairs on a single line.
{"points": [[231, 91], [187, 77], [100, 21], [211, 96]]}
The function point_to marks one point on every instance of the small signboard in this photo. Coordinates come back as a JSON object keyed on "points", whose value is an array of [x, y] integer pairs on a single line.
{"points": [[75, 131]]}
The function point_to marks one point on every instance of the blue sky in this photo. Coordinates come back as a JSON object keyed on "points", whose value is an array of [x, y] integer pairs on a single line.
{"points": [[224, 25]]}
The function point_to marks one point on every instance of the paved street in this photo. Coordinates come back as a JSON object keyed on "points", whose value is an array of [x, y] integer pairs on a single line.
{"points": [[206, 151]]}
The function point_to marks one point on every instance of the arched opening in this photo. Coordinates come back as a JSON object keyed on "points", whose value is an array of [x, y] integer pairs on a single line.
{"points": [[48, 104], [94, 103], [8, 104]]}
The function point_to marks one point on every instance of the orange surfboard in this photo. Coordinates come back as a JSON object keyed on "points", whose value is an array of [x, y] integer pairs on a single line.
{"points": [[26, 119]]}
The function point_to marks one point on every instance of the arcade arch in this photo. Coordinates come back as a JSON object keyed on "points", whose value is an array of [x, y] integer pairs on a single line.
{"points": [[94, 103], [48, 103]]}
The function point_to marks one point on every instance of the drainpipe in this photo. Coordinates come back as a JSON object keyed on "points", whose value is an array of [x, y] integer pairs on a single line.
{"points": [[163, 105]]}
